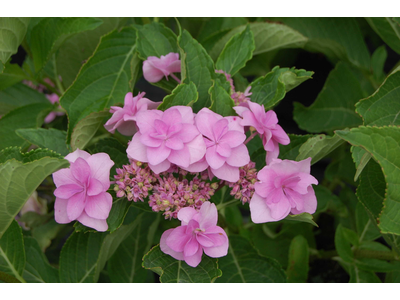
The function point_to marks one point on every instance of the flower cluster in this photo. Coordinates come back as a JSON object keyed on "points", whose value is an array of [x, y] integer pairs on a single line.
{"points": [[243, 189]]}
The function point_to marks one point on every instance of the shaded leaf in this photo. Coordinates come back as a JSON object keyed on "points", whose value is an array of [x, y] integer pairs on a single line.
{"points": [[222, 103], [291, 151], [297, 271], [303, 217], [388, 29], [11, 75], [183, 94]]}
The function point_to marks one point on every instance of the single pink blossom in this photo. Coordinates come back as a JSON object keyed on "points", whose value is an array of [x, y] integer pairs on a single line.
{"points": [[284, 187], [53, 98], [166, 138], [81, 192], [224, 139], [124, 118], [266, 124], [155, 68], [198, 232]]}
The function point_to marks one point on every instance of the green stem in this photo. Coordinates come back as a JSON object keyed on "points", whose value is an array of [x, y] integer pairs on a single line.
{"points": [[57, 79], [384, 255], [226, 204], [7, 278]]}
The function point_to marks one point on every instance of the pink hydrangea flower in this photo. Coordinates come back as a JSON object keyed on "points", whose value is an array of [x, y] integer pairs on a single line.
{"points": [[81, 192], [198, 232], [155, 68], [224, 139], [124, 118], [166, 138], [284, 187], [266, 124]]}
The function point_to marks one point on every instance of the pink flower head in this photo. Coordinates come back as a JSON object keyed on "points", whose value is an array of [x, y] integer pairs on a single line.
{"points": [[284, 187], [124, 118], [224, 139], [198, 232], [81, 192], [266, 124], [154, 68], [167, 137]]}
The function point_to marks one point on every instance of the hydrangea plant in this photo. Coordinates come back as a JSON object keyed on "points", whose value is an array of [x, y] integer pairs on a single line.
{"points": [[164, 150]]}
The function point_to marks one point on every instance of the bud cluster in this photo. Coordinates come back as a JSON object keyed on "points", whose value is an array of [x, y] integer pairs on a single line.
{"points": [[243, 190]]}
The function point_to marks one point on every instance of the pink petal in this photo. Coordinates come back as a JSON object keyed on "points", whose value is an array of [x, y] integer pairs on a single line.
{"points": [[239, 156], [250, 120], [158, 154], [178, 238], [208, 215], [127, 128], [80, 170], [197, 149], [272, 154], [175, 67], [223, 149], [95, 187], [310, 203], [64, 177], [265, 187], [75, 206], [240, 110], [227, 172], [295, 199], [220, 250], [191, 247], [98, 206], [172, 116], [187, 133], [67, 191], [100, 164], [199, 166], [60, 211], [99, 225], [174, 144], [50, 117], [149, 141], [204, 240], [205, 120], [259, 211], [186, 113], [215, 160], [145, 120], [235, 123], [180, 157], [136, 149], [166, 249], [151, 73], [195, 259], [305, 181], [217, 235], [270, 119], [278, 204], [233, 138], [186, 214], [220, 128], [161, 167], [280, 135], [77, 153]]}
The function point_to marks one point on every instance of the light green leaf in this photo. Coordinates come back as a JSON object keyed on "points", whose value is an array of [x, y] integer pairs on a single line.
{"points": [[28, 116], [12, 253], [155, 39], [52, 139], [20, 175], [19, 95], [48, 35], [383, 107], [222, 103], [126, 263], [102, 82], [45, 233], [297, 271], [318, 147], [236, 52], [11, 75], [383, 144], [271, 88], [12, 32], [198, 67], [37, 267], [267, 37], [366, 229], [74, 52], [183, 94], [360, 158], [136, 68], [388, 29], [291, 151], [172, 270], [303, 217], [243, 264], [334, 106]]}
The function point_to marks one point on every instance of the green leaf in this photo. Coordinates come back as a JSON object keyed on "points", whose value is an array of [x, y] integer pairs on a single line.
{"points": [[102, 82], [222, 103], [126, 263], [383, 144], [172, 270], [343, 246], [118, 212], [12, 32], [267, 37], [360, 158], [366, 229], [378, 60], [291, 151], [12, 253], [334, 106], [383, 107], [28, 116], [37, 267], [48, 35], [19, 95], [337, 38], [297, 271], [198, 67], [45, 233], [317, 147], [388, 29], [243, 264], [271, 88], [303, 217], [183, 94], [52, 139], [73, 53], [341, 166], [155, 39], [237, 52], [136, 68], [20, 175], [11, 75]]}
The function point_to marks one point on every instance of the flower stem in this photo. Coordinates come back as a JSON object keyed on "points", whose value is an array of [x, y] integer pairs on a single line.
{"points": [[176, 78], [226, 204], [250, 137]]}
